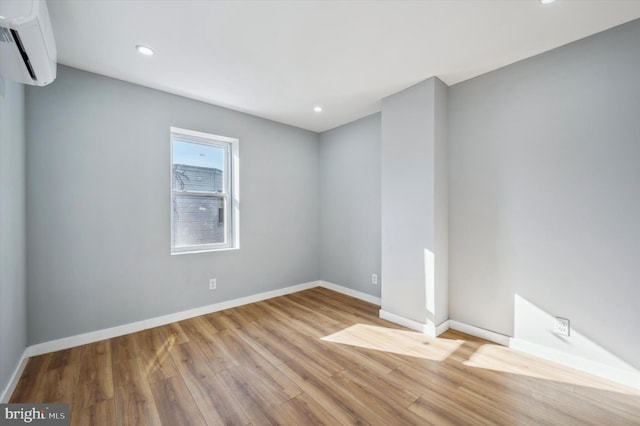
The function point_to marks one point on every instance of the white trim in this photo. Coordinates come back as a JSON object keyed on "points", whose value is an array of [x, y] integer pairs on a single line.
{"points": [[443, 327], [15, 377], [492, 336], [203, 135], [107, 333], [180, 253], [231, 187], [350, 292], [625, 377], [428, 329], [234, 163]]}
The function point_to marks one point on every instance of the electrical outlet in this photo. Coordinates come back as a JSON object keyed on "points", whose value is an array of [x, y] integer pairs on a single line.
{"points": [[561, 326], [374, 279], [212, 284]]}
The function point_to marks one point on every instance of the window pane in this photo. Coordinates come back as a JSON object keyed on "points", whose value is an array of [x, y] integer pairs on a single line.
{"points": [[196, 220], [196, 178], [197, 167]]}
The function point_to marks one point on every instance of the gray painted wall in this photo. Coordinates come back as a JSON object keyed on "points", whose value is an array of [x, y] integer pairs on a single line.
{"points": [[98, 206], [350, 200], [409, 209], [13, 313], [545, 197]]}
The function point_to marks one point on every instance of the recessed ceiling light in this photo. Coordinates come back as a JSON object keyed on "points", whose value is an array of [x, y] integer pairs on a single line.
{"points": [[145, 50], [547, 1], [317, 108]]}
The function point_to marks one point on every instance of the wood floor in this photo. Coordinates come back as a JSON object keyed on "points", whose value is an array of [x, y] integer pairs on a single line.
{"points": [[314, 357]]}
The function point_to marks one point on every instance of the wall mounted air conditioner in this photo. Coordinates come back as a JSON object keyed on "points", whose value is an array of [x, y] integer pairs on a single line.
{"points": [[27, 48]]}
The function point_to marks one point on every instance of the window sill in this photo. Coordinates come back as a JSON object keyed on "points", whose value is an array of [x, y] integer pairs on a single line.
{"points": [[179, 253]]}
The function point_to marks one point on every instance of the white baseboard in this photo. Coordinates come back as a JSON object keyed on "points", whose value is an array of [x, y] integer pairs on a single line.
{"points": [[611, 373], [472, 330], [350, 292], [108, 333], [625, 377], [15, 377], [443, 327], [429, 329]]}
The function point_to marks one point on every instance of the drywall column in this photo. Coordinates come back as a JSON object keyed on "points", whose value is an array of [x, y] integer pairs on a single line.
{"points": [[414, 207], [13, 281]]}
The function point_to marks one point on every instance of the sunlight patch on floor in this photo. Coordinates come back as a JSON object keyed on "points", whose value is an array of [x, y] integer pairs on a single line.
{"points": [[489, 357], [161, 353], [401, 342], [505, 360]]}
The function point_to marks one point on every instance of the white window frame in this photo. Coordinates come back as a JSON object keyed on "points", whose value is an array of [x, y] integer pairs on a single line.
{"points": [[231, 188]]}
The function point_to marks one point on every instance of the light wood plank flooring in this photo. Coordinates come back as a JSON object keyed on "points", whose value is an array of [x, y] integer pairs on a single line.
{"points": [[314, 357]]}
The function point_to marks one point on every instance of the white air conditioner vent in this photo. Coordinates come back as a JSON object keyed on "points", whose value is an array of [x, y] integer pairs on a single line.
{"points": [[27, 47]]}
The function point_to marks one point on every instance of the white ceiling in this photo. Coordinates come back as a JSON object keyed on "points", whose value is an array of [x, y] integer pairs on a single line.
{"points": [[278, 59]]}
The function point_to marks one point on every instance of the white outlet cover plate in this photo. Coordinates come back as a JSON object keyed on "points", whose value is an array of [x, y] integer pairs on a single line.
{"points": [[561, 326]]}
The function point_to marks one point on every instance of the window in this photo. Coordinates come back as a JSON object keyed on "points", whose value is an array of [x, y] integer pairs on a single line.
{"points": [[204, 192]]}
